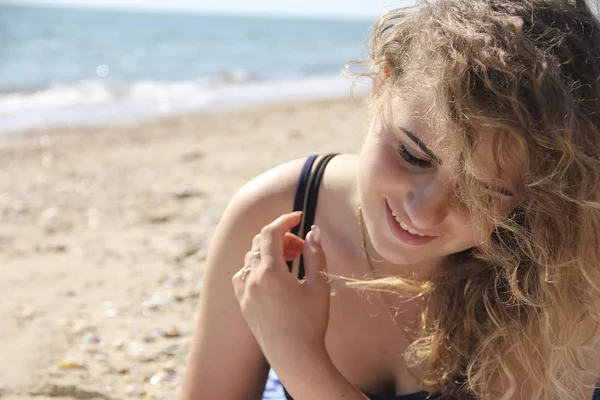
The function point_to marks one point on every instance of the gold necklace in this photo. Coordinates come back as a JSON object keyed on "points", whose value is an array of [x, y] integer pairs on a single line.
{"points": [[405, 331], [363, 243], [363, 240]]}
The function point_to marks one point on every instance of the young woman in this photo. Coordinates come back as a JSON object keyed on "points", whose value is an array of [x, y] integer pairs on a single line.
{"points": [[458, 255]]}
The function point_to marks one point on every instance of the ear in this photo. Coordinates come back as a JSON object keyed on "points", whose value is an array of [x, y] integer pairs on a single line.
{"points": [[380, 80]]}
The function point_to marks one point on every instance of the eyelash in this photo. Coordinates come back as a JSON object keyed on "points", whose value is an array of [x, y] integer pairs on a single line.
{"points": [[409, 158]]}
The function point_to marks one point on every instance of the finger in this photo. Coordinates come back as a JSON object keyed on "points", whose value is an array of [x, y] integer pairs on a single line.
{"points": [[238, 284], [252, 259], [292, 242], [256, 242], [315, 263], [271, 237], [292, 246], [291, 255]]}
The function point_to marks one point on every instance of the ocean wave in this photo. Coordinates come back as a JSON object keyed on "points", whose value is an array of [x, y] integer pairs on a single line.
{"points": [[96, 101], [91, 92]]}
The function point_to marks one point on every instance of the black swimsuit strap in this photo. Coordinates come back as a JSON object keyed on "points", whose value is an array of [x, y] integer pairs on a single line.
{"points": [[307, 193], [310, 204], [300, 195], [305, 199]]}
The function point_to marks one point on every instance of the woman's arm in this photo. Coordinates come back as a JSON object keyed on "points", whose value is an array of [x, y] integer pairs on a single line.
{"points": [[225, 361], [313, 376], [289, 318]]}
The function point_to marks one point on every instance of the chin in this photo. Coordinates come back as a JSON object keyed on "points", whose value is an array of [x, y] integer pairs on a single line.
{"points": [[403, 257], [390, 246]]}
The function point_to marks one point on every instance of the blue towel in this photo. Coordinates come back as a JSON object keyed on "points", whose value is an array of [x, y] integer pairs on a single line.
{"points": [[273, 388]]}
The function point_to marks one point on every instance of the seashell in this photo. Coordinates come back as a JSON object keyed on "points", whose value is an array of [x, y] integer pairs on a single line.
{"points": [[71, 365], [121, 370], [139, 352], [118, 344], [151, 336], [184, 194], [155, 303], [166, 375], [92, 349], [172, 350], [173, 332], [101, 358], [131, 390], [80, 327], [92, 338], [111, 309]]}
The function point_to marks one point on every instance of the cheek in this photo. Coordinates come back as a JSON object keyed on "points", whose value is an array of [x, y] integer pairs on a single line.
{"points": [[379, 161], [463, 233], [369, 161], [465, 228]]}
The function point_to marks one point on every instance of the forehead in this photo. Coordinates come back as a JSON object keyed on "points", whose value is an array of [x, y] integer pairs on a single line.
{"points": [[493, 155]]}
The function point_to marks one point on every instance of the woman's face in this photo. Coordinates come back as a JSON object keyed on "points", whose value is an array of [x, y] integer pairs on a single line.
{"points": [[405, 186]]}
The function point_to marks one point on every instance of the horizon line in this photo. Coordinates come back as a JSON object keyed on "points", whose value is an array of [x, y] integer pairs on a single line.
{"points": [[183, 9]]}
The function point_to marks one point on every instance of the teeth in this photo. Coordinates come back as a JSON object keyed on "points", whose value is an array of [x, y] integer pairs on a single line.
{"points": [[406, 228]]}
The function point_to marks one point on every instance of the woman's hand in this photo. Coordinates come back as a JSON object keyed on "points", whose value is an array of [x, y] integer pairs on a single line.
{"points": [[288, 317]]}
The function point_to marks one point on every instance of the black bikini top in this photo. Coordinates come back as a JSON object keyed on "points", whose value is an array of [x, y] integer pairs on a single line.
{"points": [[307, 191]]}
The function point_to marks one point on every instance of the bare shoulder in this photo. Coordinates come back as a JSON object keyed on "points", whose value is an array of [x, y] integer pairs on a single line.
{"points": [[225, 361], [268, 195], [340, 176], [272, 193]]}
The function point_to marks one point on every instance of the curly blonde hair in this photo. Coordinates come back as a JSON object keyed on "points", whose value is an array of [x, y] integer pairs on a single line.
{"points": [[527, 296]]}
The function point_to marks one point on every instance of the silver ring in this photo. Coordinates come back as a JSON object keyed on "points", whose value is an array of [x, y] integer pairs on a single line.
{"points": [[254, 256], [245, 271]]}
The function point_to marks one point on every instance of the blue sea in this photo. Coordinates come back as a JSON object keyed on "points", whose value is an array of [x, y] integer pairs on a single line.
{"points": [[83, 66]]}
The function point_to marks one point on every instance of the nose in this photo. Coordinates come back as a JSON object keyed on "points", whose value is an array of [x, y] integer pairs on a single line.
{"points": [[428, 204]]}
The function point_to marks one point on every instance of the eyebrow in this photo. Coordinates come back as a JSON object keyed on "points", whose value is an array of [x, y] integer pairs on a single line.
{"points": [[427, 151]]}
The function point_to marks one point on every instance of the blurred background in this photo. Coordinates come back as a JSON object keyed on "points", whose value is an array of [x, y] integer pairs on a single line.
{"points": [[125, 128], [82, 61]]}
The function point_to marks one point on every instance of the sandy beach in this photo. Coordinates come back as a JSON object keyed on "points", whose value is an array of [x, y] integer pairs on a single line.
{"points": [[104, 232]]}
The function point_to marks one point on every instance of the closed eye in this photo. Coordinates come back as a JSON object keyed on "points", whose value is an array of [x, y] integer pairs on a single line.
{"points": [[409, 158]]}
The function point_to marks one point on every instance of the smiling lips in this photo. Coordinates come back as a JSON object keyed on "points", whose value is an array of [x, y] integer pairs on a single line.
{"points": [[404, 232], [406, 227]]}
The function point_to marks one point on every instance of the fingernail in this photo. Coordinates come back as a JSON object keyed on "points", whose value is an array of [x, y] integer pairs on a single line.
{"points": [[316, 234]]}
